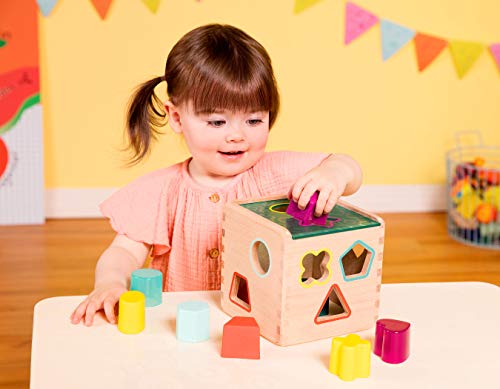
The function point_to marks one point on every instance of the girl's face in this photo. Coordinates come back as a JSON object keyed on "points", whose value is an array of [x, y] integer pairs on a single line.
{"points": [[222, 144]]}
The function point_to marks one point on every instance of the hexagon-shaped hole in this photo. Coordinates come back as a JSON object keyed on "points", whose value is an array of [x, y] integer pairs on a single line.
{"points": [[356, 261]]}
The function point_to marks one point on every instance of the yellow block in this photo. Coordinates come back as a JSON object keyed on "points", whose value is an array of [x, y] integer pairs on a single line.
{"points": [[350, 357], [131, 314]]}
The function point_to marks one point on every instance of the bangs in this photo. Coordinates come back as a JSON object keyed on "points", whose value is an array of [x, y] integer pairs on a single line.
{"points": [[212, 94]]}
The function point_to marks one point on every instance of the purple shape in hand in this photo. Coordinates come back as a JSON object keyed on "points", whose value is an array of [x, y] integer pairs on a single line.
{"points": [[306, 216]]}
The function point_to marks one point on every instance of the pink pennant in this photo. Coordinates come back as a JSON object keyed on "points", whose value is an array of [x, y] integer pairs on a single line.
{"points": [[495, 52], [357, 22]]}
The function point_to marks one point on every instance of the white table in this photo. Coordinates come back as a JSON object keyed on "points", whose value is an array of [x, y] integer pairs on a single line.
{"points": [[455, 343]]}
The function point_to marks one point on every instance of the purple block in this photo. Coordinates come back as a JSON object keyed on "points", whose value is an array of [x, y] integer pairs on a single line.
{"points": [[392, 340], [306, 216]]}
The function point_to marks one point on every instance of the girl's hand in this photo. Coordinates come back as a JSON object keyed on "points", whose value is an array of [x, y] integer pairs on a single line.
{"points": [[105, 296], [331, 185]]}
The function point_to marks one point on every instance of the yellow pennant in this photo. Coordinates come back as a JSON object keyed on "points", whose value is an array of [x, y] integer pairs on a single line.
{"points": [[464, 55], [301, 5], [152, 5]]}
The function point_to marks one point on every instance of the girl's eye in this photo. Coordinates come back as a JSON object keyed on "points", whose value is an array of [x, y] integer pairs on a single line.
{"points": [[254, 122], [216, 123]]}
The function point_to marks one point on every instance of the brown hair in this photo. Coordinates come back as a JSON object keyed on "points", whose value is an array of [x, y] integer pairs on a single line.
{"points": [[213, 67]]}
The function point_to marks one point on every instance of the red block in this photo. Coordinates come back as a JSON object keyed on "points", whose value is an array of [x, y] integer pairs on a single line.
{"points": [[241, 338]]}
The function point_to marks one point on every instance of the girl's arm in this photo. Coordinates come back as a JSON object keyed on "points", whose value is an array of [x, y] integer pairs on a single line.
{"points": [[338, 175], [112, 278]]}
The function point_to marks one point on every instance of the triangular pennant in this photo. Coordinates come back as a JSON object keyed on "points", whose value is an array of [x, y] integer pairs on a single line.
{"points": [[464, 55], [394, 37], [301, 5], [357, 21], [46, 6], [427, 48], [495, 52], [152, 5], [102, 7]]}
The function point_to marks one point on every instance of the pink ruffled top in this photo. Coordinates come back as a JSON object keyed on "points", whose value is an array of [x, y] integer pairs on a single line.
{"points": [[182, 219]]}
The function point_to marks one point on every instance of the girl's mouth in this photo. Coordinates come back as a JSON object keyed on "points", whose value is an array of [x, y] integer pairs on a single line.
{"points": [[232, 155], [231, 152]]}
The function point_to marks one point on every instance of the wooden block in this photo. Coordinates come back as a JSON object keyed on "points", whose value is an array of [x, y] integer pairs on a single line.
{"points": [[241, 338]]}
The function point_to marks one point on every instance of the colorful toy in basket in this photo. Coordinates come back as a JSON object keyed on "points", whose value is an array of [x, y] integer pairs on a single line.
{"points": [[475, 200], [301, 283]]}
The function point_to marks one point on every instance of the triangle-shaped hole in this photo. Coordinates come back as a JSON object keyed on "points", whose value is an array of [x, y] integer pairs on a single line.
{"points": [[333, 307]]}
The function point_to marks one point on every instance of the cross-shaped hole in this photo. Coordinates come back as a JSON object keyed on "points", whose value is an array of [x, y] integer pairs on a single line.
{"points": [[315, 267]]}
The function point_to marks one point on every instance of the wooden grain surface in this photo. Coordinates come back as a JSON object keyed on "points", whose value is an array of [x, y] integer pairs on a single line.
{"points": [[58, 259]]}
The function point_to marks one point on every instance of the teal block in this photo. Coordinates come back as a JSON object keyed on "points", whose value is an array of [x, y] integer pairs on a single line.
{"points": [[150, 283], [193, 321]]}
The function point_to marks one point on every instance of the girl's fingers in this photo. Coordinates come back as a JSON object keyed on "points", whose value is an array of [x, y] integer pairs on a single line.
{"points": [[109, 309], [306, 194], [92, 308], [298, 187], [323, 197], [77, 314], [332, 200]]}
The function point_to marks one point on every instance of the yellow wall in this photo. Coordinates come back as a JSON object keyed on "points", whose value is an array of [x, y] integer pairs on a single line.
{"points": [[396, 122]]}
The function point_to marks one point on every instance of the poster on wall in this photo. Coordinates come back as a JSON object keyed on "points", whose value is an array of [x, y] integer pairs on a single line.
{"points": [[21, 140]]}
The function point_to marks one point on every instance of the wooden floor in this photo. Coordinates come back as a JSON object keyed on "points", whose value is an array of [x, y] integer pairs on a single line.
{"points": [[58, 259]]}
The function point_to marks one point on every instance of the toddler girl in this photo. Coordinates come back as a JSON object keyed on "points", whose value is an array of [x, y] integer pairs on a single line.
{"points": [[224, 100]]}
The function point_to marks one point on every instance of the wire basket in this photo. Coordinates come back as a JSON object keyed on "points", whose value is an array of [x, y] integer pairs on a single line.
{"points": [[473, 190]]}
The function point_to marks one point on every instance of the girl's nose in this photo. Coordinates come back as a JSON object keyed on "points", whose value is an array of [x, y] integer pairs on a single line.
{"points": [[235, 135]]}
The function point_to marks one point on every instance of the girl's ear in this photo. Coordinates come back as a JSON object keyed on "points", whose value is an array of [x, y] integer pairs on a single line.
{"points": [[174, 117]]}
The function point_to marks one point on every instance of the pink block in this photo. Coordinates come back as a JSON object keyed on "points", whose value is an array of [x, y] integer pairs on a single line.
{"points": [[392, 340]]}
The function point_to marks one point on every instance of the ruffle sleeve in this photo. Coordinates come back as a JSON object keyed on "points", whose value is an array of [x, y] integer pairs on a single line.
{"points": [[139, 211]]}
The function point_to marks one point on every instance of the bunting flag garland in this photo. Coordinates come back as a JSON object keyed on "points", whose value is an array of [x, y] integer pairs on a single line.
{"points": [[152, 5], [46, 6], [301, 5], [102, 7], [394, 37], [495, 52], [464, 55], [427, 48], [357, 22]]}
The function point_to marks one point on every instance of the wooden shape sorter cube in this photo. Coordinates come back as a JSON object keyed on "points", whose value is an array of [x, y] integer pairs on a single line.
{"points": [[301, 283]]}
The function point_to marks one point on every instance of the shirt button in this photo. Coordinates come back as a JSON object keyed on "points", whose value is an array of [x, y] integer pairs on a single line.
{"points": [[213, 253], [214, 198]]}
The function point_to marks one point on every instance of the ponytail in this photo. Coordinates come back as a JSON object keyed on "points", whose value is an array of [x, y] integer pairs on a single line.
{"points": [[144, 116]]}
